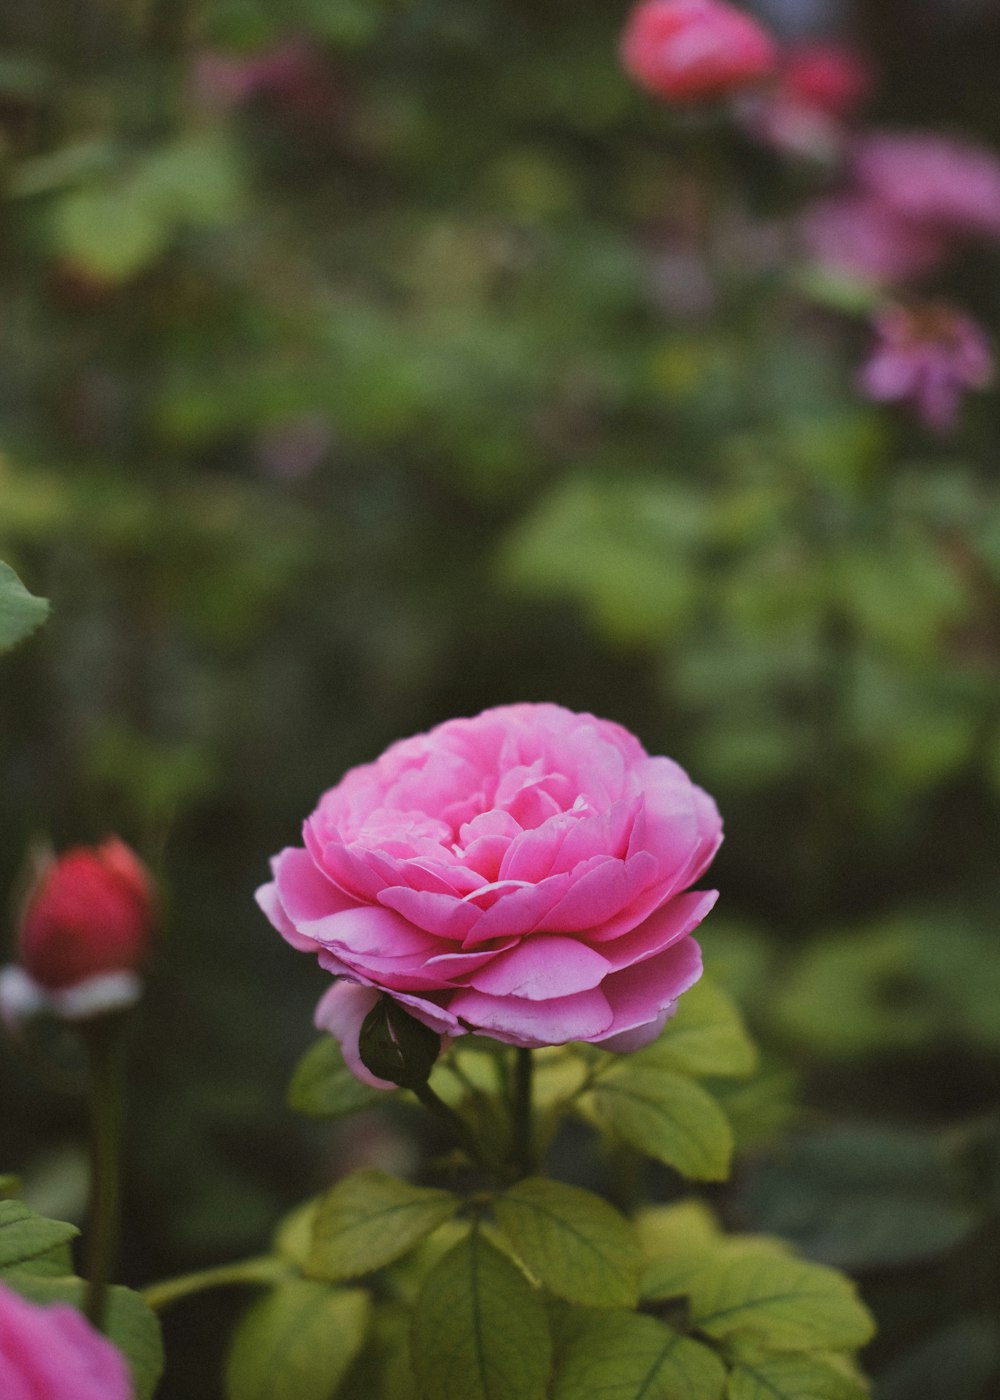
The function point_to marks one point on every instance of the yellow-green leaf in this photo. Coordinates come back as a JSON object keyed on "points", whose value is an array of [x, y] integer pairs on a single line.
{"points": [[297, 1343], [791, 1376], [580, 1247], [669, 1117], [786, 1302], [706, 1036], [625, 1356], [20, 611], [369, 1219]]}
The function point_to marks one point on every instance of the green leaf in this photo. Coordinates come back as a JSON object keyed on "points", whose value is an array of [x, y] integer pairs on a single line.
{"points": [[323, 1087], [396, 1046], [791, 1376], [479, 1329], [369, 1219], [785, 1301], [131, 1325], [108, 233], [297, 1343], [27, 1237], [623, 1356], [669, 1117], [10, 1185], [580, 1248], [706, 1036], [20, 611]]}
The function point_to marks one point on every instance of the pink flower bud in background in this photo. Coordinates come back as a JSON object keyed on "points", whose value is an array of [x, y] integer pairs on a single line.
{"points": [[827, 77], [91, 911], [53, 1353], [695, 50], [931, 355], [818, 92], [84, 932]]}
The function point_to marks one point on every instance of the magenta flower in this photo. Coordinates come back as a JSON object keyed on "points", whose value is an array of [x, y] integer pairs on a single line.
{"points": [[930, 355], [53, 1353], [695, 50], [855, 236], [932, 181], [524, 874]]}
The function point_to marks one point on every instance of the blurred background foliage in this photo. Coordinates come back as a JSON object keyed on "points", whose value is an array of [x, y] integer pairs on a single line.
{"points": [[368, 362]]}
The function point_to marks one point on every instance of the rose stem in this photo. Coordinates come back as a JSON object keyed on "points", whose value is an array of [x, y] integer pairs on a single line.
{"points": [[105, 1049], [455, 1122], [523, 1153]]}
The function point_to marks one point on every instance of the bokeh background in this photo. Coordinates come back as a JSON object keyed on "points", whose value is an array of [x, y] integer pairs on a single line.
{"points": [[369, 362]]}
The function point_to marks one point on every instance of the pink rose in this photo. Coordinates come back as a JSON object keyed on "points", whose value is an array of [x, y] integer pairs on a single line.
{"points": [[525, 874], [53, 1353], [946, 185], [695, 50], [931, 354]]}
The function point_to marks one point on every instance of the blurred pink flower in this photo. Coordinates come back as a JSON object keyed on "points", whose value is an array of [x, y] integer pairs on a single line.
{"points": [[525, 874], [931, 355], [830, 77], [932, 181], [695, 50], [817, 93], [854, 235], [223, 81], [53, 1353]]}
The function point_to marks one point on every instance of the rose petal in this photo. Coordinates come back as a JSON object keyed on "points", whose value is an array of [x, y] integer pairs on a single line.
{"points": [[639, 994], [517, 1021], [673, 921], [541, 968]]}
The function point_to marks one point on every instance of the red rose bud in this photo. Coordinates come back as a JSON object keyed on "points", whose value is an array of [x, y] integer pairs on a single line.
{"points": [[695, 50], [90, 913]]}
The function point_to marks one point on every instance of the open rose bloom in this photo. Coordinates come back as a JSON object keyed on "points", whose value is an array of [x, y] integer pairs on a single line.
{"points": [[524, 874], [53, 1353]]}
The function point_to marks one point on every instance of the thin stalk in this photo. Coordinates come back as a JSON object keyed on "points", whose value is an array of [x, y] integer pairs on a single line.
{"points": [[105, 1044], [456, 1123], [267, 1268], [523, 1144]]}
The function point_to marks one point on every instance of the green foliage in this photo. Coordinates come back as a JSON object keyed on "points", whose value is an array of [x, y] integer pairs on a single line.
{"points": [[20, 612], [35, 1261], [297, 1343], [669, 1117], [705, 1036], [370, 1219], [26, 1237], [625, 1356], [323, 1087], [479, 1328], [791, 1377], [783, 1302], [572, 1241]]}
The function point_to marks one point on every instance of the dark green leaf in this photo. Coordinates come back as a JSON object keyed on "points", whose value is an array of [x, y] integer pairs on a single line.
{"points": [[479, 1329]]}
